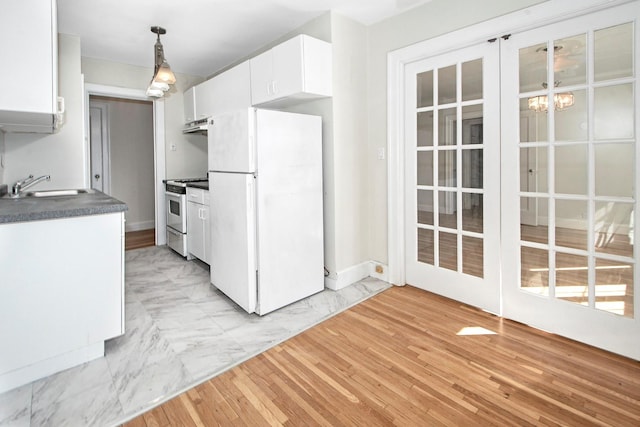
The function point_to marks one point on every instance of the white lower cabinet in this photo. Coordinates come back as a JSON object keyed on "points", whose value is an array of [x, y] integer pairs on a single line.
{"points": [[198, 226], [61, 294]]}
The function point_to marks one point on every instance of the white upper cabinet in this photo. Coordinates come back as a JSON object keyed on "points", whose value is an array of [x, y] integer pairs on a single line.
{"points": [[228, 91], [189, 99], [298, 69], [29, 71]]}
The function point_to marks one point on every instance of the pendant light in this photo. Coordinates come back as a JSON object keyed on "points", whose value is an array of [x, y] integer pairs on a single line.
{"points": [[163, 77], [561, 100]]}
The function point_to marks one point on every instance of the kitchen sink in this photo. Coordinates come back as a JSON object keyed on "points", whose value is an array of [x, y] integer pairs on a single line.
{"points": [[55, 193]]}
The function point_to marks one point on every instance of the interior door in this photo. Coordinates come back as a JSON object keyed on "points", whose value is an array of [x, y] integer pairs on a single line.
{"points": [[572, 269], [99, 146], [452, 180]]}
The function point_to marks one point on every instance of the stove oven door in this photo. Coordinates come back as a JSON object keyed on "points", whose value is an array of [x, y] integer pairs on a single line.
{"points": [[177, 212]]}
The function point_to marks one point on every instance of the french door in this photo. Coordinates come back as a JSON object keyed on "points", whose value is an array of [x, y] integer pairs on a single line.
{"points": [[521, 177], [452, 177], [569, 260]]}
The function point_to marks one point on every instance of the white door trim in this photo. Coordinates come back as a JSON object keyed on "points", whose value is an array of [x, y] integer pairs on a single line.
{"points": [[158, 152], [105, 145], [526, 19]]}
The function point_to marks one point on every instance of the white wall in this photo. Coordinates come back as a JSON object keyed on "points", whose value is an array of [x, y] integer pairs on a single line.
{"points": [[421, 23], [60, 155], [190, 157], [351, 157], [131, 159]]}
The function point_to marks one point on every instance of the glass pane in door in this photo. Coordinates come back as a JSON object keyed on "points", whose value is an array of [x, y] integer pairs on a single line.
{"points": [[568, 64], [424, 89], [613, 229], [614, 287], [534, 270], [613, 115], [613, 52], [472, 80]]}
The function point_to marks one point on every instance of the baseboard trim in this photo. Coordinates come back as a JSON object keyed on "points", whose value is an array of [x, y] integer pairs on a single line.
{"points": [[137, 226], [355, 273], [43, 368]]}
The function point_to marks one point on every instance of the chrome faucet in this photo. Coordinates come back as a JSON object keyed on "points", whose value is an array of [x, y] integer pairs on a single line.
{"points": [[23, 184]]}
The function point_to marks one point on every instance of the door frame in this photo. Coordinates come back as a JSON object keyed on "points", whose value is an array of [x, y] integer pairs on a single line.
{"points": [[159, 162], [522, 20]]}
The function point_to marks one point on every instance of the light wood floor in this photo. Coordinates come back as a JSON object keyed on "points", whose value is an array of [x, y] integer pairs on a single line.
{"points": [[139, 239], [400, 358]]}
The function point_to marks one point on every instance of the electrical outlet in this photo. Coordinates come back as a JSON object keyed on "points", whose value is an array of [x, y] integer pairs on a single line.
{"points": [[381, 154], [173, 147]]}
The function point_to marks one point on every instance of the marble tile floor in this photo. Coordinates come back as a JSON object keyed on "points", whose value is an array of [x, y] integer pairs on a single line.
{"points": [[180, 331]]}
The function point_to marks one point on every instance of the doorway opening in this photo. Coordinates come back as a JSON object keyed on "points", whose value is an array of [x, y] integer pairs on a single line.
{"points": [[157, 126], [122, 160]]}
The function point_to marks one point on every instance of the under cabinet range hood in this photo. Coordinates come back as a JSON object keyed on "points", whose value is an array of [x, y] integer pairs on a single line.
{"points": [[196, 126]]}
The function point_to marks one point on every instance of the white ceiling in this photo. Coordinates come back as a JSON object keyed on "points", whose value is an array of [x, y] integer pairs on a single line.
{"points": [[202, 35]]}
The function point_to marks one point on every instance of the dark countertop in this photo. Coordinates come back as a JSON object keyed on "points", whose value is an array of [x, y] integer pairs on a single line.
{"points": [[43, 208], [199, 184]]}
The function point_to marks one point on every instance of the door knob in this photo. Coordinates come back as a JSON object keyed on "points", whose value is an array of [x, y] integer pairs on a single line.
{"points": [[97, 176]]}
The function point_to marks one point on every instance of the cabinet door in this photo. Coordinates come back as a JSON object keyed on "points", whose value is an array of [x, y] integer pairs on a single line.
{"points": [[27, 44], [225, 92], [232, 90], [317, 66], [205, 99], [206, 227], [287, 68], [262, 78], [189, 99], [195, 237], [298, 69], [73, 299]]}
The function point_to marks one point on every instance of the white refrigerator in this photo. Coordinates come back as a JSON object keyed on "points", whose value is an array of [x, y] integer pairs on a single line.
{"points": [[265, 183]]}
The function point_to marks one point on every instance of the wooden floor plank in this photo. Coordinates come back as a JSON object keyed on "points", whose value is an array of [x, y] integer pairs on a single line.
{"points": [[139, 239], [397, 359]]}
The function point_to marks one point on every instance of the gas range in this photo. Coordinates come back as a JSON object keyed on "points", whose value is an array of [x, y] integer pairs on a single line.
{"points": [[184, 181], [179, 185], [176, 199]]}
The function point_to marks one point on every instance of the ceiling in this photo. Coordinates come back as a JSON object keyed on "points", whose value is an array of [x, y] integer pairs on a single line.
{"points": [[203, 36]]}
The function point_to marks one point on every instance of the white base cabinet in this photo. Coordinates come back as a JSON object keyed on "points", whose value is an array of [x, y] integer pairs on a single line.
{"points": [[198, 225], [296, 70], [61, 294]]}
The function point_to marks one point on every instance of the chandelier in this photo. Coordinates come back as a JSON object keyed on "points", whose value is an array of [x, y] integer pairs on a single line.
{"points": [[163, 77], [561, 100]]}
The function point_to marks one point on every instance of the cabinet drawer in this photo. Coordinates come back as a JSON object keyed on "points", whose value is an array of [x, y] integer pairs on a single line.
{"points": [[195, 195]]}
